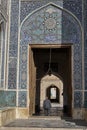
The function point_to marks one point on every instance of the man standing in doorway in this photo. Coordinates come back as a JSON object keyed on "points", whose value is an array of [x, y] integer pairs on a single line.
{"points": [[47, 106]]}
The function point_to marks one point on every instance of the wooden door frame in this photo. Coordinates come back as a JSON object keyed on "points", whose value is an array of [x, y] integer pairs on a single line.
{"points": [[43, 46]]}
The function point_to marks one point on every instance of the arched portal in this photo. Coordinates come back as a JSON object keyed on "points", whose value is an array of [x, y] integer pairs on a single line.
{"points": [[50, 25]]}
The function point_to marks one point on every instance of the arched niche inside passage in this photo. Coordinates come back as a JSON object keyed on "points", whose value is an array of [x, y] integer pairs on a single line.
{"points": [[48, 81]]}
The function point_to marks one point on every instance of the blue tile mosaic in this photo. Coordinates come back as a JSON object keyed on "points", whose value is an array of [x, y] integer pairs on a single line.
{"points": [[23, 67], [37, 29], [22, 98], [28, 7], [77, 99], [2, 99], [13, 46], [3, 57], [85, 99], [85, 42], [7, 99], [12, 73], [14, 26], [10, 98], [4, 3], [74, 6]]}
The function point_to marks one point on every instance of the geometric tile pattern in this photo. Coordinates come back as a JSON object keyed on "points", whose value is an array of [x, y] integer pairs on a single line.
{"points": [[71, 33], [74, 6], [2, 55], [23, 67], [85, 42], [22, 99], [12, 73], [2, 99], [85, 99], [46, 26], [13, 45], [77, 99], [4, 3], [10, 98], [28, 6], [7, 99]]}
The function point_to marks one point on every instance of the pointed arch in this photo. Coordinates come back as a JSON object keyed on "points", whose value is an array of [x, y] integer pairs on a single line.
{"points": [[48, 81], [54, 5], [35, 28]]}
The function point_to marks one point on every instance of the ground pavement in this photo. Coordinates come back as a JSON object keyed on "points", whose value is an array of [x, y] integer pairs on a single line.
{"points": [[46, 123]]}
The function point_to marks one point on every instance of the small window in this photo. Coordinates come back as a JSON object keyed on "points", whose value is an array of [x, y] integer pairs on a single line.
{"points": [[53, 94]]}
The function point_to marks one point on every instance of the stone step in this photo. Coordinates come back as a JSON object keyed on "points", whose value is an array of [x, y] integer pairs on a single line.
{"points": [[33, 128], [46, 123], [46, 117], [53, 112]]}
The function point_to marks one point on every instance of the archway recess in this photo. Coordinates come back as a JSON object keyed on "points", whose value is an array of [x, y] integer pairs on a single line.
{"points": [[48, 81], [66, 29], [61, 76]]}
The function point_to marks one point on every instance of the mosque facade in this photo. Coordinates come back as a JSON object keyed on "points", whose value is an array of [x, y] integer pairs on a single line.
{"points": [[43, 52]]}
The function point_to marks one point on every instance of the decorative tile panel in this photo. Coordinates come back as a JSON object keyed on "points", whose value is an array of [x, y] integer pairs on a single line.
{"points": [[85, 42], [2, 99], [71, 33], [7, 98], [50, 24], [85, 99], [10, 97], [14, 27], [77, 99], [12, 73], [3, 56], [23, 67], [74, 6], [13, 46], [28, 6], [22, 99], [37, 28], [4, 5]]}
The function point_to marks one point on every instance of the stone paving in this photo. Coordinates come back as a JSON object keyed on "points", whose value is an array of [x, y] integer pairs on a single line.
{"points": [[48, 122]]}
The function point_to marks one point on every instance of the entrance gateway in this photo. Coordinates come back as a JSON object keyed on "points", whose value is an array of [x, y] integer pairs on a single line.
{"points": [[57, 28], [57, 85]]}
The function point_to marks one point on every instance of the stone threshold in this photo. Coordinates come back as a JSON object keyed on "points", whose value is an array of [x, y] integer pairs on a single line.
{"points": [[46, 117], [32, 128]]}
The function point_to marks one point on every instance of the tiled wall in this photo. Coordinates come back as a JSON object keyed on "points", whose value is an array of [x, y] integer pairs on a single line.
{"points": [[37, 32], [62, 20], [7, 98], [85, 50]]}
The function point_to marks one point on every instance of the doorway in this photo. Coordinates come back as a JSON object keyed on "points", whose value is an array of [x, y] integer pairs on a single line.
{"points": [[61, 64]]}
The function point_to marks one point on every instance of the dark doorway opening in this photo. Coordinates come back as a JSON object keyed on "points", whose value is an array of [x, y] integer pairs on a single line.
{"points": [[61, 63]]}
